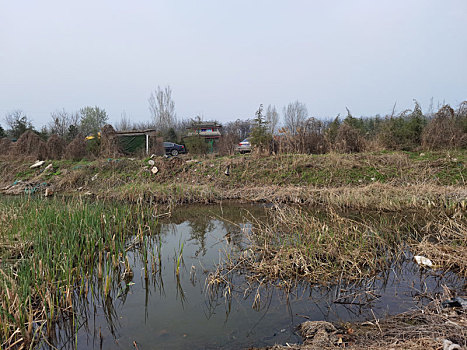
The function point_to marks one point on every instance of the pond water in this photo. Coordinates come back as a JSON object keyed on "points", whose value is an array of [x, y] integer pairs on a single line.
{"points": [[169, 312]]}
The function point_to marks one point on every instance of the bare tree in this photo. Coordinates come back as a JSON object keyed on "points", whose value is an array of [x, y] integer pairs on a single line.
{"points": [[18, 123], [61, 123], [272, 119], [124, 123], [162, 108], [295, 115]]}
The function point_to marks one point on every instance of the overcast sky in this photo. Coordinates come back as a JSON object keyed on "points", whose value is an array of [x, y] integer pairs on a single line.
{"points": [[223, 58]]}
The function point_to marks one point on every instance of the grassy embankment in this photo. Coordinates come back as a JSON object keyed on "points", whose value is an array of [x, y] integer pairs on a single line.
{"points": [[388, 181]]}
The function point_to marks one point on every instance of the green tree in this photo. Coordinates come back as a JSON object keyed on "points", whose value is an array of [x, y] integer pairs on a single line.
{"points": [[260, 136], [171, 135], [356, 123], [332, 130], [2, 132], [73, 131], [92, 119]]}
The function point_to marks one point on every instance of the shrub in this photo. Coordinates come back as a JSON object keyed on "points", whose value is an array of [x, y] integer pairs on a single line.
{"points": [[348, 140], [196, 145], [403, 132], [446, 129]]}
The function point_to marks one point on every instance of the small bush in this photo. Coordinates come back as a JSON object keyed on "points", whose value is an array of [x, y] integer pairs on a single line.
{"points": [[349, 140], [196, 145], [445, 130]]}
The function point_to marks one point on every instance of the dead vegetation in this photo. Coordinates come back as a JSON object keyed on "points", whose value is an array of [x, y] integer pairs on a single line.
{"points": [[445, 242], [108, 143], [445, 130], [76, 149], [294, 244], [30, 145], [55, 147], [349, 140], [5, 145], [432, 327]]}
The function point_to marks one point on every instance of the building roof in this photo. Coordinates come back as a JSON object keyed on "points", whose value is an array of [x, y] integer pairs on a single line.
{"points": [[206, 124]]}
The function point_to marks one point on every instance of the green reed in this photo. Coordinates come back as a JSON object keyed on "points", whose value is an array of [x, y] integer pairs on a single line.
{"points": [[51, 250]]}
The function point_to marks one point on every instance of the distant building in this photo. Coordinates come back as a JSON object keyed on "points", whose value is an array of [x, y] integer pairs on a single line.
{"points": [[210, 131]]}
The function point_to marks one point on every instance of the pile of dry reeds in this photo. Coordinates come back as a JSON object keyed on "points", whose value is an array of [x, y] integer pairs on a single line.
{"points": [[55, 147], [76, 149], [30, 145], [426, 328], [5, 146], [108, 145], [432, 327]]}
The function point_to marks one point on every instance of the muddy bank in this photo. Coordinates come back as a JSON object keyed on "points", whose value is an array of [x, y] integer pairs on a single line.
{"points": [[434, 327]]}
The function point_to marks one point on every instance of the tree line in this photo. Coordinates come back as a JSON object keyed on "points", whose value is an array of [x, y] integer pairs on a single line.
{"points": [[295, 131]]}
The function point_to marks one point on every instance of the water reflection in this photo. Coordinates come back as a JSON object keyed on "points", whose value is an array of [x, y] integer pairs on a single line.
{"points": [[155, 307]]}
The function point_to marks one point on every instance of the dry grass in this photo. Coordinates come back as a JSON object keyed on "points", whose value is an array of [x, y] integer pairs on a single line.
{"points": [[424, 329], [296, 245], [445, 242], [328, 247]]}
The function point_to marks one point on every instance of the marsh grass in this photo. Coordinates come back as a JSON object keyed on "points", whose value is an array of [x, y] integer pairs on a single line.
{"points": [[296, 245], [53, 252], [445, 242]]}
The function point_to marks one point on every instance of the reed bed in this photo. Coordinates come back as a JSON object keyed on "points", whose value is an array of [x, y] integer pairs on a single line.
{"points": [[296, 245], [445, 242], [54, 254]]}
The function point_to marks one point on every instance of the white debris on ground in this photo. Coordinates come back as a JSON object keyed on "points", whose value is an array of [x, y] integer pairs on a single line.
{"points": [[422, 261], [37, 164]]}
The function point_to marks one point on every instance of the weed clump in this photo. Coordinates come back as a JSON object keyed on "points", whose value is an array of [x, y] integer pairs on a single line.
{"points": [[349, 140], [446, 129], [295, 244]]}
